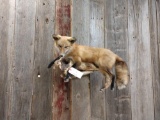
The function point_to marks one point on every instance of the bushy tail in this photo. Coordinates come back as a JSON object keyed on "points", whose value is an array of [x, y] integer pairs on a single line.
{"points": [[122, 73]]}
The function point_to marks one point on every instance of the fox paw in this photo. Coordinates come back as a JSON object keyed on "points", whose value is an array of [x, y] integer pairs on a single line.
{"points": [[66, 80], [102, 90]]}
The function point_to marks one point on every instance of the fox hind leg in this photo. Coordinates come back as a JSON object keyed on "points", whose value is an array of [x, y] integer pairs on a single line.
{"points": [[108, 79], [113, 81]]}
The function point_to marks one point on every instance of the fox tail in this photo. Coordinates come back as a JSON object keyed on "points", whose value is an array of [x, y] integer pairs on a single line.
{"points": [[122, 73]]}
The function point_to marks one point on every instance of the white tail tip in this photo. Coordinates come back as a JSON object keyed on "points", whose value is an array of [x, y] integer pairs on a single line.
{"points": [[122, 86]]}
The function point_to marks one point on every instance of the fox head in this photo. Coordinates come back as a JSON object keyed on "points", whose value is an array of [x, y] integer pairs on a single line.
{"points": [[63, 44]]}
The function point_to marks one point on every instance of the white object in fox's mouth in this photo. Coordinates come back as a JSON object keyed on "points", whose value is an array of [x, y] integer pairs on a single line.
{"points": [[39, 76], [75, 72]]}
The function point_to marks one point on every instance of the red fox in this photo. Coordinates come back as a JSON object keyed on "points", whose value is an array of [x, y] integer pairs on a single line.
{"points": [[101, 59]]}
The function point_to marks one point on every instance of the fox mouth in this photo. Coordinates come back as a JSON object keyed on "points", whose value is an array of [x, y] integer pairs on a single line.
{"points": [[64, 54]]}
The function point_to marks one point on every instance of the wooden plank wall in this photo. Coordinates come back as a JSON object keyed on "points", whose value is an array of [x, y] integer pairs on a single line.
{"points": [[140, 61], [118, 102], [97, 40], [5, 22], [43, 53], [154, 13], [80, 92], [23, 50], [61, 108], [26, 49], [130, 28], [125, 28]]}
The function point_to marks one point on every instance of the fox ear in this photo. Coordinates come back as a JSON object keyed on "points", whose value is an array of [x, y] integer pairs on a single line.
{"points": [[56, 37], [72, 40]]}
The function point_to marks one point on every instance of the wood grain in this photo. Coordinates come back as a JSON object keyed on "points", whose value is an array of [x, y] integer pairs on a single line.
{"points": [[118, 101], [154, 23], [140, 61], [80, 99], [10, 55], [5, 23], [123, 100], [110, 40], [23, 60], [97, 40], [80, 22], [130, 28], [61, 110], [63, 17], [80, 91], [43, 54]]}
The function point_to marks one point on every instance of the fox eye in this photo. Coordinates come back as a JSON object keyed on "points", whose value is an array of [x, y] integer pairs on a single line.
{"points": [[66, 46], [59, 46]]}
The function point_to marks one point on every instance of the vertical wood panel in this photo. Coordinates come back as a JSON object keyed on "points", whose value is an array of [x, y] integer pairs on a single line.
{"points": [[43, 52], [10, 38], [23, 60], [118, 101], [123, 99], [97, 40], [157, 90], [63, 17], [6, 37], [61, 89], [110, 40], [97, 23], [80, 92], [10, 56], [80, 99], [26, 49], [80, 21], [140, 61], [154, 7]]}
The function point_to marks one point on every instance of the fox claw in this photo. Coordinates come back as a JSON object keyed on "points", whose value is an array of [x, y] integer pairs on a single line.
{"points": [[102, 90], [66, 80]]}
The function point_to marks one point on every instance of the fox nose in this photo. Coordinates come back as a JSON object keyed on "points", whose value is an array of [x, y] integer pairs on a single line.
{"points": [[62, 54]]}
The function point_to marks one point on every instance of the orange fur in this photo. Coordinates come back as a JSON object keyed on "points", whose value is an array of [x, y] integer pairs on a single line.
{"points": [[91, 58]]}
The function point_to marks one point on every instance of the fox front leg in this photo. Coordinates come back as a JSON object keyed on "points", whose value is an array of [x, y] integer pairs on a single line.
{"points": [[109, 80], [73, 63], [51, 63], [67, 74]]}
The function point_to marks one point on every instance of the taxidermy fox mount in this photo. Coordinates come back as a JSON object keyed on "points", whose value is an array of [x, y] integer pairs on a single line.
{"points": [[100, 59]]}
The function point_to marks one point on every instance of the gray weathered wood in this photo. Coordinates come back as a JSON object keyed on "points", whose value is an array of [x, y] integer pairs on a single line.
{"points": [[157, 83], [43, 54], [3, 74], [111, 102], [23, 52], [80, 99], [6, 37], [130, 28], [118, 102], [97, 40], [154, 15], [97, 23], [140, 60], [10, 55], [121, 36], [80, 92], [80, 22]]}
